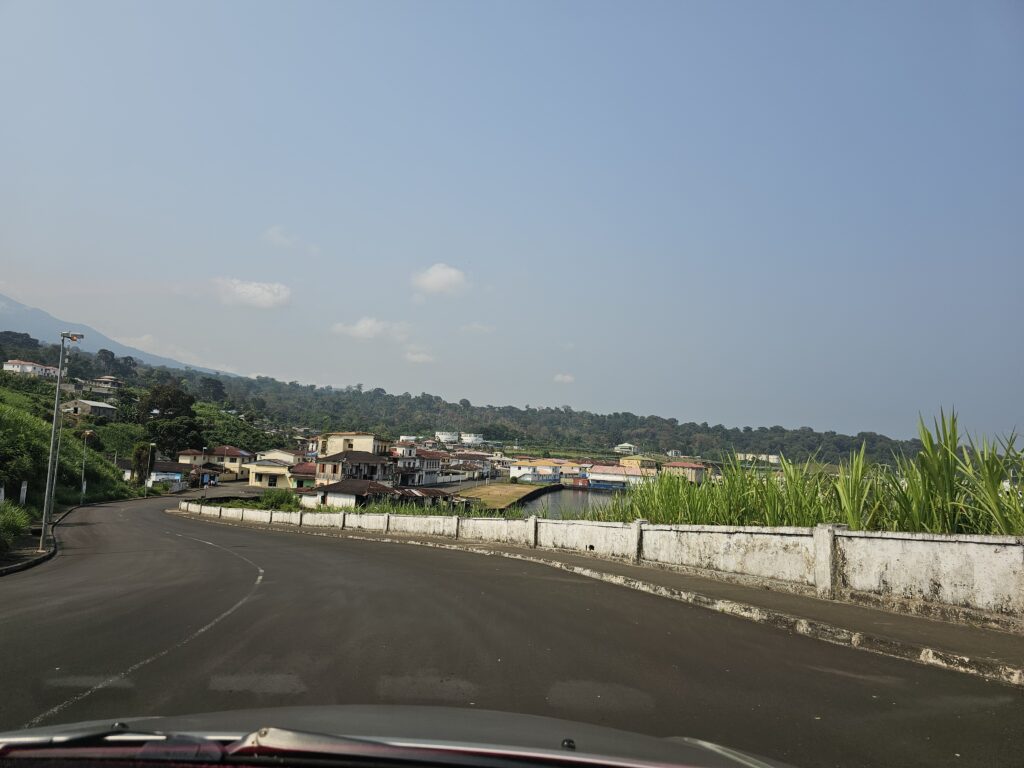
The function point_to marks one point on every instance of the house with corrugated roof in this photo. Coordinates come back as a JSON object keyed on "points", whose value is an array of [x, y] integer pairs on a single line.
{"points": [[229, 459]]}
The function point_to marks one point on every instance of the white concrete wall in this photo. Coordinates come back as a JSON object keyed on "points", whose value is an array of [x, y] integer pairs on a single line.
{"points": [[322, 519], [786, 554], [256, 515], [309, 500], [496, 529], [980, 572], [374, 522], [424, 525], [229, 513], [608, 539], [286, 518]]}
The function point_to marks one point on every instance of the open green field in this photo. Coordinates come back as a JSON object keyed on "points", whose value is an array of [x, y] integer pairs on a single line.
{"points": [[499, 495]]}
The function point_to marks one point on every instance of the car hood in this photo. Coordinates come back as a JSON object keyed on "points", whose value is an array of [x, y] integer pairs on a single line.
{"points": [[438, 726]]}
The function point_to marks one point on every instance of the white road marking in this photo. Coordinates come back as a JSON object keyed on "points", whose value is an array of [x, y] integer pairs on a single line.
{"points": [[258, 683], [116, 680], [87, 681]]}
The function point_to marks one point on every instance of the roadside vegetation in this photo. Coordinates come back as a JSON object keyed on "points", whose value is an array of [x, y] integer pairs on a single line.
{"points": [[14, 521], [24, 452], [952, 485]]}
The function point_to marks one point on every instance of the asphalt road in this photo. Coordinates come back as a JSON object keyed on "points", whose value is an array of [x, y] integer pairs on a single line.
{"points": [[187, 616]]}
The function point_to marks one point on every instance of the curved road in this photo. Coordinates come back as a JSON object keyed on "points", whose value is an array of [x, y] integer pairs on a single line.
{"points": [[143, 612]]}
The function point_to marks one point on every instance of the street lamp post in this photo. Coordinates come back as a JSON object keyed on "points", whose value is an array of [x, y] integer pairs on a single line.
{"points": [[51, 466], [85, 449], [204, 483], [149, 462]]}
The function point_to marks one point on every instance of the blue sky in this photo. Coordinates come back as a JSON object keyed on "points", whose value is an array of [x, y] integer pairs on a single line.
{"points": [[740, 213]]}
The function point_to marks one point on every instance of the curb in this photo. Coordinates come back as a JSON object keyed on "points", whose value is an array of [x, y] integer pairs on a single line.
{"points": [[40, 559], [990, 669], [24, 565]]}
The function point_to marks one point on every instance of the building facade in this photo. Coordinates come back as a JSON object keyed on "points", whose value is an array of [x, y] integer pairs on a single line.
{"points": [[28, 368]]}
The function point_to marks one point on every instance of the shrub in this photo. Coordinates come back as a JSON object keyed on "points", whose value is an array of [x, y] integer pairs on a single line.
{"points": [[14, 521]]}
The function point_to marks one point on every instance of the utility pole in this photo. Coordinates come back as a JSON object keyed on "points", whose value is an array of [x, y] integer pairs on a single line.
{"points": [[149, 463], [85, 448], [51, 467]]}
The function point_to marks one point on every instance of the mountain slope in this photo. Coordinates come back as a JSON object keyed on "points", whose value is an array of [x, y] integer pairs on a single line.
{"points": [[15, 316]]}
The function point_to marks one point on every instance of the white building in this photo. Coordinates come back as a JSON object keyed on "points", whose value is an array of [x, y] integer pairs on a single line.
{"points": [[408, 438], [535, 471], [28, 368], [448, 438], [471, 438], [766, 458], [627, 449]]}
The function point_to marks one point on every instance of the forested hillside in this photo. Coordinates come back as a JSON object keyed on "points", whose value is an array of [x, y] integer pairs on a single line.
{"points": [[270, 405]]}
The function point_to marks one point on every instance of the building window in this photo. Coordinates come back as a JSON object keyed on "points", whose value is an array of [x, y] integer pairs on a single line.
{"points": [[233, 460], [259, 477], [272, 481]]}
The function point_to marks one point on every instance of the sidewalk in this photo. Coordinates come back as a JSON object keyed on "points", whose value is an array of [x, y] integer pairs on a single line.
{"points": [[987, 653]]}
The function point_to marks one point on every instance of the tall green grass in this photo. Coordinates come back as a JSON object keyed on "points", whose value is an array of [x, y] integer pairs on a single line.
{"points": [[14, 521], [954, 485]]}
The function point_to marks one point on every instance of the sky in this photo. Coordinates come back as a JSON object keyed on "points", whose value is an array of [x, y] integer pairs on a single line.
{"points": [[747, 213]]}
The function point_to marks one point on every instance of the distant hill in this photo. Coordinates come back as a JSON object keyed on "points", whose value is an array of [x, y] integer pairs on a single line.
{"points": [[15, 316]]}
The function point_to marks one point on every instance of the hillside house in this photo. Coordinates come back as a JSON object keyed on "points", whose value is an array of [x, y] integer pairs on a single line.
{"points": [[29, 368], [89, 408], [287, 455], [355, 465], [331, 443], [627, 449], [229, 459], [104, 385]]}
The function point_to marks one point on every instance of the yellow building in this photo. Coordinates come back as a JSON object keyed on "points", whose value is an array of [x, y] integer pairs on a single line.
{"points": [[690, 470], [640, 462], [331, 443]]}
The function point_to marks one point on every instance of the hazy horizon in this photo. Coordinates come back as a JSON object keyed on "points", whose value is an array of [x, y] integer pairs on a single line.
{"points": [[747, 214]]}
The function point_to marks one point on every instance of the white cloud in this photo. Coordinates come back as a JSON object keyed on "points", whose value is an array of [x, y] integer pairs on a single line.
{"points": [[281, 238], [476, 327], [440, 278], [418, 355], [564, 378], [250, 294], [276, 235], [367, 328]]}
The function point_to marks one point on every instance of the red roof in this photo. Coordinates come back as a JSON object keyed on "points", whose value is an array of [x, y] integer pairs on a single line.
{"points": [[305, 468]]}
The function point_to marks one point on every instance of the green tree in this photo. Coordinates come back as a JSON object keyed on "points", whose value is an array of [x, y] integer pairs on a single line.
{"points": [[166, 401], [211, 389], [143, 458], [174, 435]]}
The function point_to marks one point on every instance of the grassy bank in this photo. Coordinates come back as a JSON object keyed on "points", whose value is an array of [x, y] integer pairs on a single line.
{"points": [[24, 452], [953, 485], [499, 495]]}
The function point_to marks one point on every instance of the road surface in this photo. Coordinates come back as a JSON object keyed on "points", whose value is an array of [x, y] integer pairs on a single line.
{"points": [[172, 616]]}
